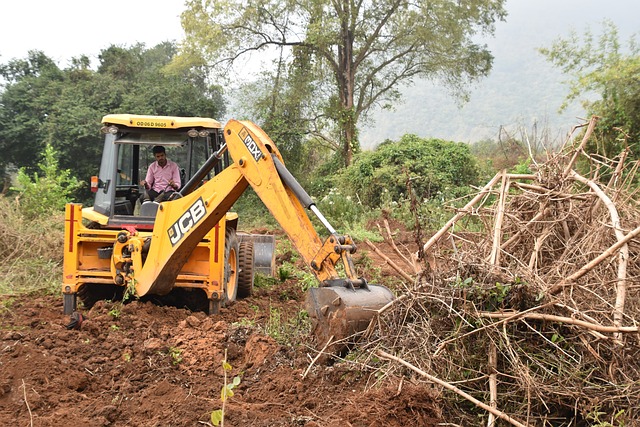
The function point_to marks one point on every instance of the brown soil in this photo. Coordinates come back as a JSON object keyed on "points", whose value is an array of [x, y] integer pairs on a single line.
{"points": [[162, 366]]}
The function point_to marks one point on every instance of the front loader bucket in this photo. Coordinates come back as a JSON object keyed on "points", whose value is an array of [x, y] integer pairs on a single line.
{"points": [[338, 313], [264, 252]]}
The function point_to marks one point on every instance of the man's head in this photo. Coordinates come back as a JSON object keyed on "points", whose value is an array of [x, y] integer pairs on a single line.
{"points": [[160, 155]]}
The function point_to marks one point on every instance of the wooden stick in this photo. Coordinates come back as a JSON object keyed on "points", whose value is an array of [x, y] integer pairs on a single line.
{"points": [[388, 260], [462, 212], [543, 211], [587, 135], [393, 244], [315, 359], [26, 402], [559, 319], [587, 267], [453, 388], [494, 258], [623, 254], [493, 382]]}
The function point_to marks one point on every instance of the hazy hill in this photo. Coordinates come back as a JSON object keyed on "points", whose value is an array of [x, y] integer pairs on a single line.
{"points": [[522, 89]]}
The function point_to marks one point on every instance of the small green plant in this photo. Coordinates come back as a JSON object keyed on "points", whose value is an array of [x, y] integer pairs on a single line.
{"points": [[115, 327], [126, 357], [115, 312], [176, 355], [226, 392], [130, 291], [306, 279], [285, 272], [597, 414], [262, 281], [466, 283], [500, 292], [274, 327], [246, 323]]}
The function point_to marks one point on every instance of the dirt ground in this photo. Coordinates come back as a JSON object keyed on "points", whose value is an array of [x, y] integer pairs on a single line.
{"points": [[162, 366]]}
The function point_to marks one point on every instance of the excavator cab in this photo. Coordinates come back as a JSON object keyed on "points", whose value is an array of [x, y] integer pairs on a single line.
{"points": [[127, 155]]}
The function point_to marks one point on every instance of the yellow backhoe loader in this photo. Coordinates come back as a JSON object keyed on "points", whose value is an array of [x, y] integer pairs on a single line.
{"points": [[188, 243]]}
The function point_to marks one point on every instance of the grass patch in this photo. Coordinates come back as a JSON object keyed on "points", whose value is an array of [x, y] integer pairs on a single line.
{"points": [[30, 250], [288, 332]]}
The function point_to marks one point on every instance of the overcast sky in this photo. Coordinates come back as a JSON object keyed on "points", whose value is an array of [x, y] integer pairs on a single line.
{"points": [[64, 29]]}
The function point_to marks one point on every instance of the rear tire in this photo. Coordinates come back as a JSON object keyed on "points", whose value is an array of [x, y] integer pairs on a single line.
{"points": [[246, 274], [231, 266]]}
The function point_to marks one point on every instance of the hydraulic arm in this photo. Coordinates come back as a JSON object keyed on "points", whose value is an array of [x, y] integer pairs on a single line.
{"points": [[339, 307]]}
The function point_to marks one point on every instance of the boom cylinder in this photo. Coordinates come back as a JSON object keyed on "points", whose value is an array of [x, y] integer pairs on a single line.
{"points": [[208, 166], [300, 193]]}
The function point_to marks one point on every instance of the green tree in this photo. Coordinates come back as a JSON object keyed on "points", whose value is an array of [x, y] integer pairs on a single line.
{"points": [[277, 101], [601, 66], [44, 105], [436, 168], [23, 108], [356, 54]]}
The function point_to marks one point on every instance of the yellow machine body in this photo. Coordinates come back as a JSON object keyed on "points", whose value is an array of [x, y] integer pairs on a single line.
{"points": [[192, 241]]}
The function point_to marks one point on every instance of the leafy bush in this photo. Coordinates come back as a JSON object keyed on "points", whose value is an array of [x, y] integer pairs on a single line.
{"points": [[340, 209], [43, 194], [32, 229], [432, 167]]}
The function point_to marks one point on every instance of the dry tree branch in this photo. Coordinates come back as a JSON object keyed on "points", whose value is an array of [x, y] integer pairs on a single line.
{"points": [[543, 212], [453, 388], [393, 245], [442, 345], [493, 382], [499, 218], [26, 402], [623, 254], [388, 260], [462, 212], [559, 319], [597, 260], [578, 151]]}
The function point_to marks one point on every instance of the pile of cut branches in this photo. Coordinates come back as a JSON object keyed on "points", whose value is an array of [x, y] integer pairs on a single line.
{"points": [[533, 319]]}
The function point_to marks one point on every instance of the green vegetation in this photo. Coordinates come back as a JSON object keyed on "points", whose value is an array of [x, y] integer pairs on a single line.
{"points": [[602, 66], [48, 193], [32, 224], [289, 332], [433, 168], [175, 354], [44, 105], [226, 392]]}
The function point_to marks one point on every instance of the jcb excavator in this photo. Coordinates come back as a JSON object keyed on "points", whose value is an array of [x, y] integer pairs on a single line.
{"points": [[189, 242]]}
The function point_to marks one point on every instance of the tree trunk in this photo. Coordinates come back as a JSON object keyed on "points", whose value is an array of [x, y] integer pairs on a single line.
{"points": [[346, 83]]}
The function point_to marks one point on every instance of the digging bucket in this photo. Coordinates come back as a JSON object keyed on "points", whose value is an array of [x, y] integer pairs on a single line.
{"points": [[338, 314]]}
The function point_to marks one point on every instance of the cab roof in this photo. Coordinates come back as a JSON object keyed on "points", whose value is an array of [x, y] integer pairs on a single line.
{"points": [[160, 122]]}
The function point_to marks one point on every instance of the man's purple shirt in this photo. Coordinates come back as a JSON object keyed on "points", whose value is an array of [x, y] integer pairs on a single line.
{"points": [[158, 177]]}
